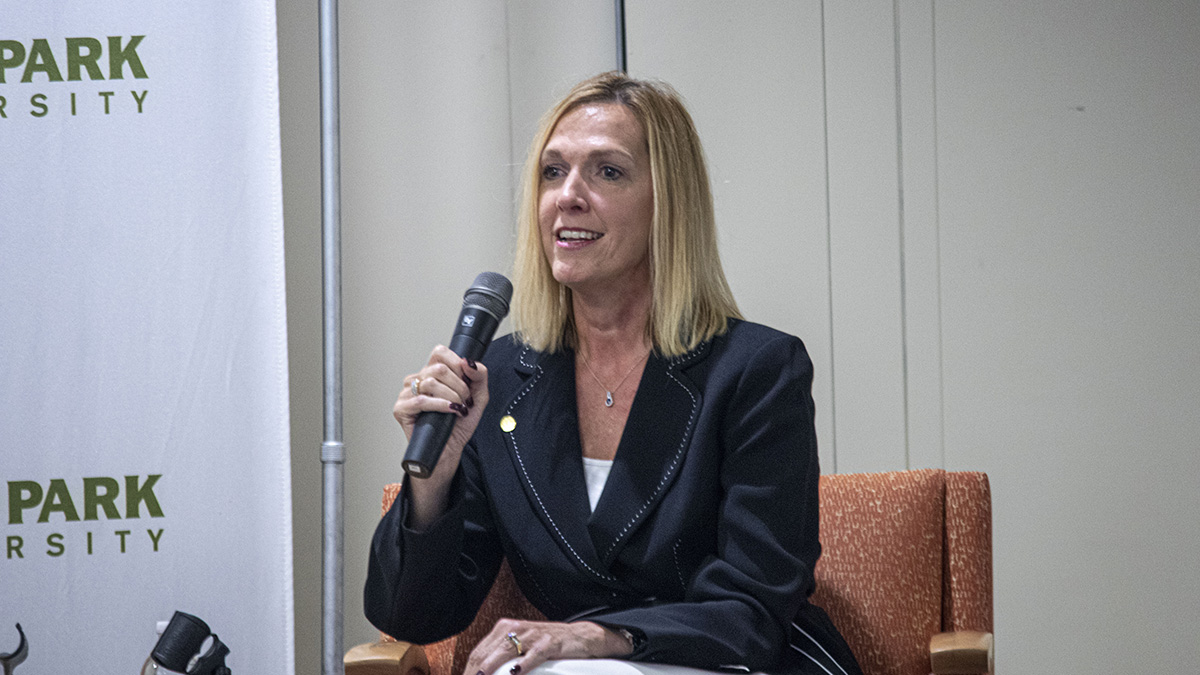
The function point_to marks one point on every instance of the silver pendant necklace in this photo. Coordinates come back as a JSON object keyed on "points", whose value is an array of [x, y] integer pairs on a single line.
{"points": [[608, 393]]}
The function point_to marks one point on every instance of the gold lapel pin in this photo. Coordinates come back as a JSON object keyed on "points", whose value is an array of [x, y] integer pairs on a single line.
{"points": [[507, 423]]}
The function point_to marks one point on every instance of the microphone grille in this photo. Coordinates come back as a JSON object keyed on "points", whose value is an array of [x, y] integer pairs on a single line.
{"points": [[490, 292]]}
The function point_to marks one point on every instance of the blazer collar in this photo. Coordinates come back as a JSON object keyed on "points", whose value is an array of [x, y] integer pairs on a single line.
{"points": [[545, 450]]}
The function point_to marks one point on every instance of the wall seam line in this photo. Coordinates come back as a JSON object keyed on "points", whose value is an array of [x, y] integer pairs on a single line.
{"points": [[900, 226], [514, 188], [828, 240], [937, 230]]}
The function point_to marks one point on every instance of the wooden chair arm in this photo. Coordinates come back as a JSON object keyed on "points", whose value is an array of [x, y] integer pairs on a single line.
{"points": [[962, 652], [386, 658]]}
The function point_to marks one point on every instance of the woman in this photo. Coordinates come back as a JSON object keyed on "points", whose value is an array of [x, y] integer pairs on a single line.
{"points": [[644, 458]]}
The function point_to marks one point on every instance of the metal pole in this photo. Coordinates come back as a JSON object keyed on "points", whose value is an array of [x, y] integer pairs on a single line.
{"points": [[333, 454], [622, 61]]}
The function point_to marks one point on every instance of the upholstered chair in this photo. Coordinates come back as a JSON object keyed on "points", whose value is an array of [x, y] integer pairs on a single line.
{"points": [[905, 574]]}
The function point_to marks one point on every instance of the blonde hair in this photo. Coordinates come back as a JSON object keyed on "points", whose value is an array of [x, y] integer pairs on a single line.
{"points": [[691, 301]]}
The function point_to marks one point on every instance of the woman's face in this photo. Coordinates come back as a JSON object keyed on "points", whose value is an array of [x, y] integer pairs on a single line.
{"points": [[597, 200]]}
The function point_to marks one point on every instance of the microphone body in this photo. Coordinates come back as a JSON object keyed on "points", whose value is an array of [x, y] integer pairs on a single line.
{"points": [[485, 304]]}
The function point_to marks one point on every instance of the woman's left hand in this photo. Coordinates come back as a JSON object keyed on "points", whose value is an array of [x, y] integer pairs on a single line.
{"points": [[543, 641]]}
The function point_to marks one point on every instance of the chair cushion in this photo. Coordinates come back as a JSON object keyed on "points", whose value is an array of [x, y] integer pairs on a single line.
{"points": [[880, 573]]}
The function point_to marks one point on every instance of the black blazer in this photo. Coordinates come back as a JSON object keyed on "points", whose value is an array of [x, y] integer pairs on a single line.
{"points": [[703, 541]]}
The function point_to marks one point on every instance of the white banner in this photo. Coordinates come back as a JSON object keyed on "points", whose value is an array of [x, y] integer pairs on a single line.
{"points": [[144, 450]]}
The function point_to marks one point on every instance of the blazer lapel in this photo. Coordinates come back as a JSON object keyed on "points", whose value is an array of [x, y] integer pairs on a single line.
{"points": [[651, 451], [545, 450]]}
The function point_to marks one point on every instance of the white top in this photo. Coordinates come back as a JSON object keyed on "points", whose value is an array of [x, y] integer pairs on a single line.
{"points": [[595, 473]]}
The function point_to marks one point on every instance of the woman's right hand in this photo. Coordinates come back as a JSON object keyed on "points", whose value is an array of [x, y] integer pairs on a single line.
{"points": [[449, 384]]}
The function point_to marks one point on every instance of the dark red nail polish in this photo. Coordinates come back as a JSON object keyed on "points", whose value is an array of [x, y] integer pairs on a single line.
{"points": [[479, 673], [515, 669], [466, 379], [459, 408], [472, 364], [471, 402]]}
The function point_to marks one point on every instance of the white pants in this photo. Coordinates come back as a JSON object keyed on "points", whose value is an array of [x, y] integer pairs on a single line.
{"points": [[608, 667]]}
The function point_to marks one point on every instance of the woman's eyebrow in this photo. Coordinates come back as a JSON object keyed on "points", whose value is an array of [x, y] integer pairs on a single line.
{"points": [[595, 153], [610, 152]]}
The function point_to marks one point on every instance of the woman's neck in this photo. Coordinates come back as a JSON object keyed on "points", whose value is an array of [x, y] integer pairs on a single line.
{"points": [[612, 327]]}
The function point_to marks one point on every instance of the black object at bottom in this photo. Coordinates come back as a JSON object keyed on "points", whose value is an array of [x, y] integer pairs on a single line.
{"points": [[182, 639]]}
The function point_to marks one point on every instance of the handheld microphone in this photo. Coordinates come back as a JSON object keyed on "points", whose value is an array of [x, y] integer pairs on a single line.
{"points": [[485, 304]]}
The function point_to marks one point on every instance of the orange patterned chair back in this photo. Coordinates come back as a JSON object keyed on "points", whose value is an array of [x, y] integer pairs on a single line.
{"points": [[906, 554]]}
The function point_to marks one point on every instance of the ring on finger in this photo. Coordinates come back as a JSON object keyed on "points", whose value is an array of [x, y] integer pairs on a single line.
{"points": [[512, 637], [416, 386]]}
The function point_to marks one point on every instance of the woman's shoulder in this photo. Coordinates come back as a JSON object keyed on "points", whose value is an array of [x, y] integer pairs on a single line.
{"points": [[748, 348], [749, 337]]}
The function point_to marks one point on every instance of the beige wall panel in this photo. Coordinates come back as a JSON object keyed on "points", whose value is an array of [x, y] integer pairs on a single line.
{"points": [[1069, 160], [921, 271], [751, 74], [865, 244]]}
